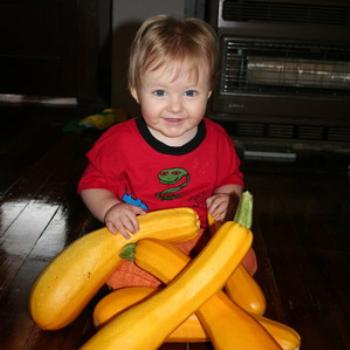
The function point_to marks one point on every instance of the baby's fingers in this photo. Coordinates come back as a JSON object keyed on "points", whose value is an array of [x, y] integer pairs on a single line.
{"points": [[117, 229], [217, 207], [218, 213]]}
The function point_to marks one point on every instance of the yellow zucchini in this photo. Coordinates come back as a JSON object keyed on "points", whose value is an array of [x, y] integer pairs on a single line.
{"points": [[242, 288], [227, 325], [230, 327], [190, 331], [69, 282], [286, 336], [146, 325], [117, 301]]}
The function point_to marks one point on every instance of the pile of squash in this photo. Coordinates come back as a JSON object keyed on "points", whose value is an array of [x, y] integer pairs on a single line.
{"points": [[210, 298]]}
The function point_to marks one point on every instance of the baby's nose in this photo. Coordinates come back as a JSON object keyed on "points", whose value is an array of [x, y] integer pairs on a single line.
{"points": [[175, 104]]}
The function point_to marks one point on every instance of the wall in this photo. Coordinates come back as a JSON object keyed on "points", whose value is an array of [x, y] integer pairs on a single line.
{"points": [[127, 16]]}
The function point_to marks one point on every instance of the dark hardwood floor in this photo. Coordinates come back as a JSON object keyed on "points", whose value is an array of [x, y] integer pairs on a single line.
{"points": [[301, 230]]}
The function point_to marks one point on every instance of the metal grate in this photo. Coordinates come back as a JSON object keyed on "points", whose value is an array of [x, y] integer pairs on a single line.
{"points": [[338, 134], [250, 129], [281, 131], [271, 11], [291, 68], [291, 131], [305, 132]]}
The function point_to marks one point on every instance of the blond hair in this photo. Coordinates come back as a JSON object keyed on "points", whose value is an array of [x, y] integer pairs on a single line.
{"points": [[162, 40]]}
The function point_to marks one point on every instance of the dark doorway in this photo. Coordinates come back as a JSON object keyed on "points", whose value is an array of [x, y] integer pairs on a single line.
{"points": [[56, 49]]}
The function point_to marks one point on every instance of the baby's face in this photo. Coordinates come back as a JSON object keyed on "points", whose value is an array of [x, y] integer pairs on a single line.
{"points": [[173, 101]]}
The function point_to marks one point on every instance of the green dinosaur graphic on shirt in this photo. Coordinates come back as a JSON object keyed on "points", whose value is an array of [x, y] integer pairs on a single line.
{"points": [[178, 177]]}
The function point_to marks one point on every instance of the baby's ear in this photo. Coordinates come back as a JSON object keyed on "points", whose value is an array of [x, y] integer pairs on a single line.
{"points": [[134, 94]]}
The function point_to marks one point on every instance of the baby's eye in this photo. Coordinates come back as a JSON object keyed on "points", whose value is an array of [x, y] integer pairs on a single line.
{"points": [[159, 93], [191, 93]]}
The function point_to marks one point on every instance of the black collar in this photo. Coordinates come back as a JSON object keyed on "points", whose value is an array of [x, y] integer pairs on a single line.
{"points": [[163, 148]]}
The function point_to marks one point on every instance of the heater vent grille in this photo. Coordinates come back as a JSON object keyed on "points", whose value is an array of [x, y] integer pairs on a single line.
{"points": [[271, 11], [291, 68], [281, 131], [306, 132], [251, 129], [339, 134], [291, 131]]}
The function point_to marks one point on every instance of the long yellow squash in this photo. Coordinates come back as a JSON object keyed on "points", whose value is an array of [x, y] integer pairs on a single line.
{"points": [[227, 325], [286, 336], [191, 330], [69, 282], [241, 286], [117, 301], [188, 332], [146, 325]]}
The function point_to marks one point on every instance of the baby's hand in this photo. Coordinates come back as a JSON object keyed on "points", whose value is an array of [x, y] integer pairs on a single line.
{"points": [[122, 218], [218, 205]]}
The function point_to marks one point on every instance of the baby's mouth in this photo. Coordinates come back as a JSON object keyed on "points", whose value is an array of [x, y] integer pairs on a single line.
{"points": [[173, 120]]}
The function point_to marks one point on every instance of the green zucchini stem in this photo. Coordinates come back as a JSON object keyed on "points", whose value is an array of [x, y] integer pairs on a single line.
{"points": [[244, 212], [128, 252]]}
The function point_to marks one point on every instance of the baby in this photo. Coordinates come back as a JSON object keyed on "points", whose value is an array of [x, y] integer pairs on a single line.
{"points": [[172, 155]]}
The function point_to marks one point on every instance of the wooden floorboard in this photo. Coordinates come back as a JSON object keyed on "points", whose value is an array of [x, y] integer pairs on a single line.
{"points": [[301, 235]]}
